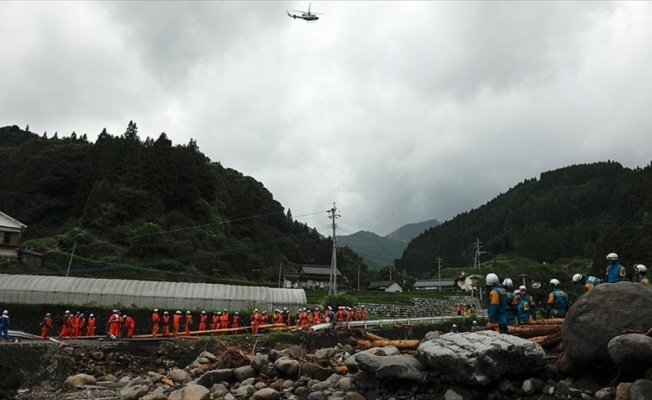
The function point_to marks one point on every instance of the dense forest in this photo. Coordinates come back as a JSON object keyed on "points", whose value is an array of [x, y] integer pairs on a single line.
{"points": [[148, 209], [581, 211]]}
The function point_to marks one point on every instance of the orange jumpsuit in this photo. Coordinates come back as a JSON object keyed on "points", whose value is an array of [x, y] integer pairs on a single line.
{"points": [[66, 326], [81, 322], [215, 321], [255, 322], [166, 325], [236, 321], [188, 324], [224, 320], [130, 326], [202, 321], [45, 326], [115, 322], [316, 318], [156, 319], [176, 324], [90, 327], [365, 312]]}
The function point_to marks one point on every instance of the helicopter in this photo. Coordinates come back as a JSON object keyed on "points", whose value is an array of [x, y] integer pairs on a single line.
{"points": [[305, 15]]}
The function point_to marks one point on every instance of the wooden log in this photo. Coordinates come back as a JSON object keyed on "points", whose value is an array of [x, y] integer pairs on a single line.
{"points": [[364, 344], [533, 331], [547, 321], [341, 370]]}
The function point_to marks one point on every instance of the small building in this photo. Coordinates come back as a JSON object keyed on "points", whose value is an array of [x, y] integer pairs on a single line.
{"points": [[312, 277], [470, 282], [385, 286], [10, 231], [436, 284]]}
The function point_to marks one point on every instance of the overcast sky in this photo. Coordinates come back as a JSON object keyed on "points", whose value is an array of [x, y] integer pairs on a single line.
{"points": [[399, 112]]}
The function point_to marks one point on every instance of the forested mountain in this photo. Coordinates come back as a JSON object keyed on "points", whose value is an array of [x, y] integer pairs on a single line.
{"points": [[579, 211], [408, 232], [150, 209], [381, 251]]}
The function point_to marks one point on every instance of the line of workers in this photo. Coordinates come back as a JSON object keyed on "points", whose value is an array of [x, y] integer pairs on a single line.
{"points": [[507, 307], [122, 325]]}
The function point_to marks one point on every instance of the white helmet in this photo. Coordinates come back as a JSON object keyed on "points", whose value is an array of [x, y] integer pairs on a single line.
{"points": [[517, 292], [577, 278], [475, 322], [554, 282], [522, 287], [640, 268], [454, 325], [508, 282], [612, 256], [491, 279]]}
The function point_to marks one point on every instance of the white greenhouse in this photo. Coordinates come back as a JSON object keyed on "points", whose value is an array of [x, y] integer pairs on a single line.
{"points": [[33, 289]]}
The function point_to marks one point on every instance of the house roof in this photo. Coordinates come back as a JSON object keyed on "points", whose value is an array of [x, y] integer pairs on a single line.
{"points": [[11, 224], [434, 283], [381, 284], [318, 270]]}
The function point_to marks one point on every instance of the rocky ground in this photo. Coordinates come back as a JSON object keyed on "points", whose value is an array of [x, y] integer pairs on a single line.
{"points": [[261, 367]]}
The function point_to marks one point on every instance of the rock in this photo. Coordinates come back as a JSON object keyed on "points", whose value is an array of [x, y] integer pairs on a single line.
{"points": [[195, 392], [622, 391], [245, 372], [392, 367], [478, 358], [316, 371], [431, 335], [210, 356], [202, 360], [229, 396], [641, 389], [288, 367], [108, 378], [603, 394], [631, 351], [354, 396], [156, 394], [179, 376], [352, 362], [219, 375], [597, 317], [325, 353], [259, 361], [317, 396], [245, 391], [344, 384], [134, 392], [528, 387], [266, 394], [78, 380]]}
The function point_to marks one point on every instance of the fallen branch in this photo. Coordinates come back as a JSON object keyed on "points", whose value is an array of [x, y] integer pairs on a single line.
{"points": [[364, 344]]}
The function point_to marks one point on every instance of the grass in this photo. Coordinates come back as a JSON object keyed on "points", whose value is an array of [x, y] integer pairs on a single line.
{"points": [[378, 297]]}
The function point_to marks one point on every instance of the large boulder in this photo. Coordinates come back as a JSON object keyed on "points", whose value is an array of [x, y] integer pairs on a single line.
{"points": [[479, 358], [631, 352], [392, 367], [600, 315]]}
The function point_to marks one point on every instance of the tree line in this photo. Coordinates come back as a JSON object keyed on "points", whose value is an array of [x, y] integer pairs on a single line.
{"points": [[149, 209]]}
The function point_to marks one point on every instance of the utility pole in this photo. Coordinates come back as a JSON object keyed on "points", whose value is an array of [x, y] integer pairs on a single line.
{"points": [[439, 260], [71, 256], [332, 287], [476, 262]]}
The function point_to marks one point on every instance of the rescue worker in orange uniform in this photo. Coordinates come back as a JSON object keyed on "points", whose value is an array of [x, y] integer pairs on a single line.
{"points": [[303, 317], [176, 323], [357, 314], [165, 320], [114, 324], [256, 318], [81, 323], [188, 322], [74, 330], [66, 325], [156, 322], [90, 326], [45, 326], [316, 316], [130, 325], [365, 312], [202, 321], [341, 314], [224, 319], [217, 323], [236, 320]]}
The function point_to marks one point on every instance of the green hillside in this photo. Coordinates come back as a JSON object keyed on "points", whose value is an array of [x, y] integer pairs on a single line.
{"points": [[376, 251], [408, 232], [581, 211], [148, 209]]}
